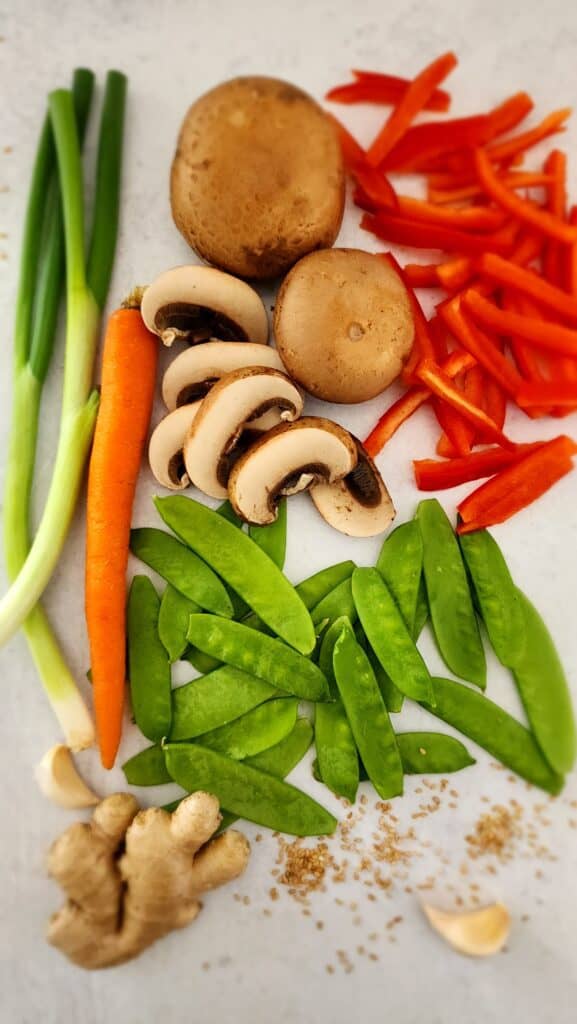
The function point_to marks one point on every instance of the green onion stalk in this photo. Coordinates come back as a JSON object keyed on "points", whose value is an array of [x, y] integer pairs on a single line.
{"points": [[44, 246]]}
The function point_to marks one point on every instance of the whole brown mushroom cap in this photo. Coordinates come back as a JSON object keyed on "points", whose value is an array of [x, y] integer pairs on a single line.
{"points": [[343, 324]]}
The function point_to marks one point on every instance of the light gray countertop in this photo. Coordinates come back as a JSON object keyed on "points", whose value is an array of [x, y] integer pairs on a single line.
{"points": [[250, 959]]}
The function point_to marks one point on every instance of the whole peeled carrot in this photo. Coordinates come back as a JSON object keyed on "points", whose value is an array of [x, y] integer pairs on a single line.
{"points": [[128, 381]]}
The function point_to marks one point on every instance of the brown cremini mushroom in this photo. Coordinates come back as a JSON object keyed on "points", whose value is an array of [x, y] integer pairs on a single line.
{"points": [[194, 303], [257, 179], [359, 505], [343, 324], [193, 373]]}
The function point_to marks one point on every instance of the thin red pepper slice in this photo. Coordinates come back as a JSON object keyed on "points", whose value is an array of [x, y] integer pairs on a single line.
{"points": [[481, 347], [458, 431], [445, 448], [374, 184], [455, 274], [440, 100], [526, 212], [415, 99], [421, 275], [541, 333], [517, 486], [550, 125], [510, 275], [571, 271], [473, 218], [556, 166], [404, 231], [432, 475], [547, 392], [441, 385], [452, 194], [423, 346], [384, 90]]}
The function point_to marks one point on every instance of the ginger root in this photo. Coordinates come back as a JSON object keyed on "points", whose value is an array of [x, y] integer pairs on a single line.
{"points": [[133, 876]]}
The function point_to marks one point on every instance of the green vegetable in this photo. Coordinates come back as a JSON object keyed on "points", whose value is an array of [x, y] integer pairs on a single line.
{"points": [[175, 611], [432, 753], [214, 700], [314, 588], [147, 768], [272, 539], [202, 662], [450, 603], [497, 595], [261, 655], [493, 729], [422, 613], [388, 635], [258, 730], [391, 694], [227, 512], [401, 565], [85, 295], [247, 792], [244, 567], [338, 602], [148, 665], [182, 568], [544, 691], [335, 744], [367, 714]]}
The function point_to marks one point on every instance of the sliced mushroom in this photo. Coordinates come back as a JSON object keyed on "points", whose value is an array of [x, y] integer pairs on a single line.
{"points": [[60, 782], [289, 458], [195, 303], [165, 451], [234, 403], [359, 504], [480, 932], [192, 374]]}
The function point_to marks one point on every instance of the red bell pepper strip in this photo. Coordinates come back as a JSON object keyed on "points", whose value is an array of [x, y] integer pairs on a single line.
{"points": [[510, 275], [374, 184], [405, 231], [385, 90], [517, 486], [480, 346], [393, 418], [550, 125], [445, 448], [455, 274], [441, 385], [541, 333], [421, 275], [458, 431], [423, 346], [571, 272], [556, 166], [526, 212], [547, 392], [432, 475], [517, 179], [472, 218], [495, 401], [415, 99]]}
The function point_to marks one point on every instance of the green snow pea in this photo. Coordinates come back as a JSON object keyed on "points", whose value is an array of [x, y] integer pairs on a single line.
{"points": [[247, 792], [432, 753], [175, 611], [450, 603], [149, 667], [258, 730], [181, 567], [400, 563], [337, 756], [202, 662], [214, 700], [544, 691], [314, 588], [367, 714], [336, 603], [422, 613], [227, 512], [147, 768], [392, 696], [259, 654], [243, 565], [496, 594], [272, 538], [388, 635], [496, 731]]}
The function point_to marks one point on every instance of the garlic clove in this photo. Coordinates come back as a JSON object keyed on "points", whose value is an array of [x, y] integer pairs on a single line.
{"points": [[474, 933], [60, 782]]}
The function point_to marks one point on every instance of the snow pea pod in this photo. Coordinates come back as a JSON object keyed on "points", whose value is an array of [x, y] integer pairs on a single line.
{"points": [[214, 700], [175, 611], [495, 731], [181, 567], [422, 612], [367, 714], [227, 512], [544, 691], [243, 566], [337, 756], [400, 563], [450, 603], [202, 662], [149, 667], [432, 753], [392, 696], [336, 603], [247, 792], [496, 594], [147, 768], [314, 588], [258, 730], [272, 538], [259, 654], [388, 635]]}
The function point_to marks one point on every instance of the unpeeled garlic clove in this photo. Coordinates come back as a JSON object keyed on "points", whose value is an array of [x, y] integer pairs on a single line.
{"points": [[60, 782], [476, 932]]}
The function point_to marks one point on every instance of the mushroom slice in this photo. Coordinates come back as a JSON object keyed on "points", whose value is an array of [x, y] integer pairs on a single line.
{"points": [[165, 453], [60, 782], [233, 404], [288, 458], [359, 504], [195, 303], [476, 932], [192, 374]]}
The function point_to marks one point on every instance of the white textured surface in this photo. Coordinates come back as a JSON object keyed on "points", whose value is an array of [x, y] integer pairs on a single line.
{"points": [[274, 968]]}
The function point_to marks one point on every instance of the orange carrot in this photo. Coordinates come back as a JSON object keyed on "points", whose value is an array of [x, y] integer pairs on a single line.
{"points": [[128, 381]]}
